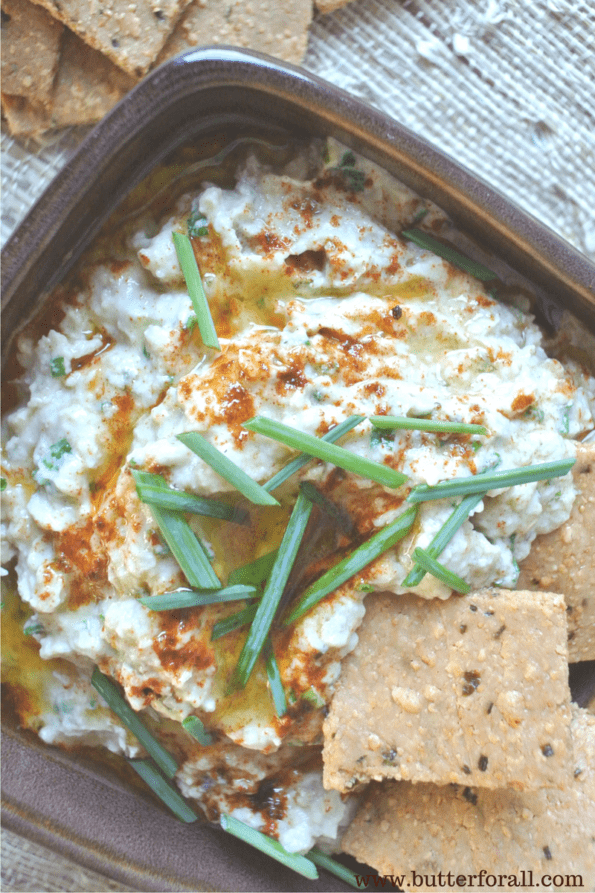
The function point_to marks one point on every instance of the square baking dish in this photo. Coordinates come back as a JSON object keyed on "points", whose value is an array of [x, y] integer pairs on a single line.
{"points": [[88, 810]]}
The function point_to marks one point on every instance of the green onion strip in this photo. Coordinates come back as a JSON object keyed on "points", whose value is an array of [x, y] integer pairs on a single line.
{"points": [[233, 622], [255, 572], [389, 422], [441, 573], [269, 846], [354, 563], [226, 469], [273, 590], [275, 682], [444, 536], [480, 483], [327, 862], [330, 437], [195, 727], [118, 703], [192, 598], [164, 790], [425, 240], [185, 547], [187, 260], [154, 490], [328, 452]]}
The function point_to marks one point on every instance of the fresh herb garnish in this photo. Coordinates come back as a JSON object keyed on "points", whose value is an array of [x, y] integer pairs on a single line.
{"points": [[227, 469], [195, 727], [329, 864], [425, 240], [269, 846], [353, 563], [118, 703], [255, 572], [154, 490], [3, 484], [57, 367], [233, 622], [192, 598], [390, 422], [330, 437], [328, 452], [480, 483], [275, 683], [196, 291], [444, 535], [164, 790], [273, 591], [197, 225], [440, 572]]}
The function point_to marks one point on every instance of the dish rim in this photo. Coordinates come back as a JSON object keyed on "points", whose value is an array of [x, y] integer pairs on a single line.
{"points": [[247, 80]]}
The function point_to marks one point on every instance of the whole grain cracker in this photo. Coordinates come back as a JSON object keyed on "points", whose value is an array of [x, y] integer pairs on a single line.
{"points": [[24, 118], [87, 85], [564, 560], [30, 50], [130, 34], [471, 690], [401, 827], [276, 27]]}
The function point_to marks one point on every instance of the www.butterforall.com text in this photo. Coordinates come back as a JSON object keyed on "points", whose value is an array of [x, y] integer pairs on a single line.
{"points": [[482, 881]]}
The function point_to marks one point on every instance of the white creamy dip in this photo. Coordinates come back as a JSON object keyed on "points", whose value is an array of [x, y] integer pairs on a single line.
{"points": [[322, 312]]}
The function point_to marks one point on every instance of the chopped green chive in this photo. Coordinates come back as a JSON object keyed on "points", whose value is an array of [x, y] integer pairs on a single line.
{"points": [[57, 450], [444, 535], [441, 573], [480, 483], [195, 727], [3, 484], [197, 224], [196, 291], [269, 846], [275, 683], [338, 515], [190, 323], [389, 422], [33, 630], [328, 452], [227, 469], [153, 489], [313, 697], [186, 549], [254, 573], [273, 590], [329, 864], [330, 437], [191, 598], [118, 703], [354, 563], [424, 240], [57, 367], [233, 622], [420, 216], [164, 790]]}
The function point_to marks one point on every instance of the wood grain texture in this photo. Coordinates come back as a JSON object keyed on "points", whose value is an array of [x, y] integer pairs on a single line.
{"points": [[28, 867]]}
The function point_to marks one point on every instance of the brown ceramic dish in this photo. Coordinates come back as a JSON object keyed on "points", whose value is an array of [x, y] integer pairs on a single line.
{"points": [[67, 801]]}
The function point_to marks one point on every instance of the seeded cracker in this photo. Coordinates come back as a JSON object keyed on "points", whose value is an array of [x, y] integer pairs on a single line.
{"points": [[401, 827], [130, 34], [564, 560], [30, 50], [472, 690], [24, 118], [276, 27]]}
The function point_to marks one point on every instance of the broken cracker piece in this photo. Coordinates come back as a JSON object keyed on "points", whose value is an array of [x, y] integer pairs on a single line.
{"points": [[24, 118], [30, 50], [564, 560], [471, 690], [130, 34], [269, 26], [401, 827], [326, 6], [87, 85]]}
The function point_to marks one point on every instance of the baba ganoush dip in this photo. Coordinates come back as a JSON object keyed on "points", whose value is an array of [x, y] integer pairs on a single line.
{"points": [[322, 312]]}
